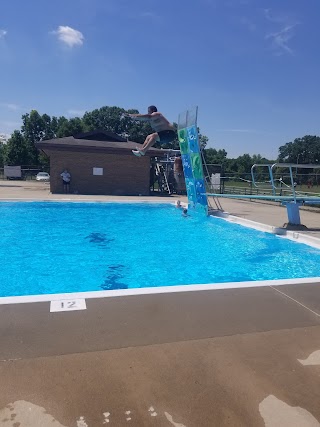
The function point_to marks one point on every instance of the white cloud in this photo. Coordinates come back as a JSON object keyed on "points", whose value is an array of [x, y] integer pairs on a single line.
{"points": [[3, 33], [69, 36], [12, 107], [281, 39], [76, 113]]}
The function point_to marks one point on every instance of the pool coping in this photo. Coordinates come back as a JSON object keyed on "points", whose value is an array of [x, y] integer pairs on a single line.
{"points": [[153, 291], [281, 232]]}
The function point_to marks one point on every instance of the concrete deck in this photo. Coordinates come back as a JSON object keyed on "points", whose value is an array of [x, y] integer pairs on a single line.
{"points": [[235, 357]]}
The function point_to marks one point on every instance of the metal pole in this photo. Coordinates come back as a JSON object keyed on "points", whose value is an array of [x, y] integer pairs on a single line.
{"points": [[293, 189]]}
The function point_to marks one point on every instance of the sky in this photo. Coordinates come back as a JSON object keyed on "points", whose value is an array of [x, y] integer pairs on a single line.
{"points": [[251, 66]]}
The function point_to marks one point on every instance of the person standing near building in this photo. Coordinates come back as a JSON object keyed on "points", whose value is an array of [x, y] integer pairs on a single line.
{"points": [[66, 178]]}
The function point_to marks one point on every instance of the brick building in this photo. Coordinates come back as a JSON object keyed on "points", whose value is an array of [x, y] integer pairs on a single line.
{"points": [[99, 162]]}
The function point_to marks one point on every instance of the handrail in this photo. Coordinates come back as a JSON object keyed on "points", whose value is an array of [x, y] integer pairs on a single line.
{"points": [[269, 166], [275, 198], [282, 165], [296, 165], [290, 166]]}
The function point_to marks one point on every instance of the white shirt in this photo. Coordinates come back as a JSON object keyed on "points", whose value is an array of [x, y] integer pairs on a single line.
{"points": [[66, 176]]}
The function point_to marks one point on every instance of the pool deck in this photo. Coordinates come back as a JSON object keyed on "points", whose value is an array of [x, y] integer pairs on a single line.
{"points": [[235, 357]]}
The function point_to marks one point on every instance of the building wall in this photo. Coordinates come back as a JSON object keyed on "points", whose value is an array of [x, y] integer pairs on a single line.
{"points": [[123, 174]]}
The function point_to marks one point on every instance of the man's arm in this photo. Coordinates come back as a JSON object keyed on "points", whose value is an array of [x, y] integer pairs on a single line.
{"points": [[143, 117]]}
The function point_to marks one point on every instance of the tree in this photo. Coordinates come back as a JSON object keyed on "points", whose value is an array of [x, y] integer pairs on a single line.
{"points": [[33, 130], [107, 118], [112, 119], [305, 150], [214, 156], [2, 154], [16, 153], [302, 150], [49, 127], [258, 159], [203, 140], [244, 163], [70, 127], [36, 128]]}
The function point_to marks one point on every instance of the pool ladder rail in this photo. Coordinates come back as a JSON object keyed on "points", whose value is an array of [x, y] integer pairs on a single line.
{"points": [[292, 202], [208, 183]]}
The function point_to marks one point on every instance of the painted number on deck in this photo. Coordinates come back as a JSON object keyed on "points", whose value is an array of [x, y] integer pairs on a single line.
{"points": [[68, 305]]}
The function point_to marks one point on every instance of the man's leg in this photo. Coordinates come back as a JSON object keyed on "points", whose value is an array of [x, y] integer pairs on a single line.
{"points": [[149, 142]]}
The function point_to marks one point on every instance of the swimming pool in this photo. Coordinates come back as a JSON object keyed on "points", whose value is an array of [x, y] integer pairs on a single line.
{"points": [[58, 247]]}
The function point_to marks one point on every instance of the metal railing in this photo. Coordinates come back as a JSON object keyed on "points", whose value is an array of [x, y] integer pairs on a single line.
{"points": [[282, 166]]}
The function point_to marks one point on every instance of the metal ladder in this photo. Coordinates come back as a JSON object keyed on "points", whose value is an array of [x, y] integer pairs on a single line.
{"points": [[208, 183], [162, 174]]}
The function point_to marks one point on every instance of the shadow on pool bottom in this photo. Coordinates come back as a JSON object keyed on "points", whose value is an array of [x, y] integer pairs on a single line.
{"points": [[114, 277]]}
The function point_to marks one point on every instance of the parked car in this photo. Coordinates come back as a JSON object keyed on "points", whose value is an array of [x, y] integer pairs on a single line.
{"points": [[43, 176]]}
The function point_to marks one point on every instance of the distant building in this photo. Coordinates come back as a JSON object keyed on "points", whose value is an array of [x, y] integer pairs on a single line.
{"points": [[99, 162]]}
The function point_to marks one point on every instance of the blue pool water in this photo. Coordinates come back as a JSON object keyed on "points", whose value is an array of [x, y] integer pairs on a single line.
{"points": [[48, 247]]}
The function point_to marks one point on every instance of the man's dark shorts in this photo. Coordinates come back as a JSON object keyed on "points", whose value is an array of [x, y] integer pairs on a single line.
{"points": [[167, 136], [66, 182]]}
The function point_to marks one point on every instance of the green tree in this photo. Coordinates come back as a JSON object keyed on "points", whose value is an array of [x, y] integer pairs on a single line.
{"points": [[258, 159], [214, 156], [33, 130], [2, 154], [16, 153], [70, 127], [107, 118], [302, 150], [50, 127], [203, 140], [112, 119], [244, 163]]}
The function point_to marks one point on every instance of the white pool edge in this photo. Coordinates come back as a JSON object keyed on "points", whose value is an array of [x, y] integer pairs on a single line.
{"points": [[153, 291]]}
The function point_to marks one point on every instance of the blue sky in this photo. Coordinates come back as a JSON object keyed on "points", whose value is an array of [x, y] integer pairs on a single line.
{"points": [[252, 66]]}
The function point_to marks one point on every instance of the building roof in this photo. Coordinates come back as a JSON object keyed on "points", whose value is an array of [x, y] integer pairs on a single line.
{"points": [[100, 135], [82, 142]]}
